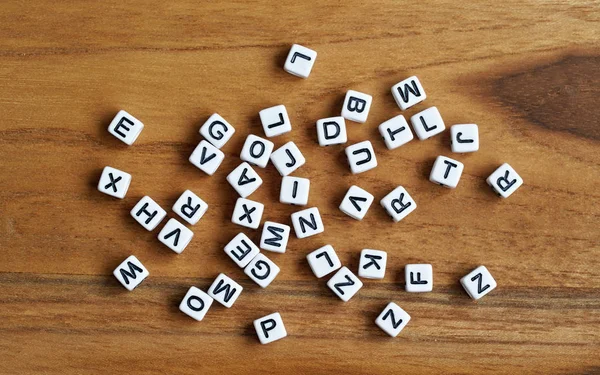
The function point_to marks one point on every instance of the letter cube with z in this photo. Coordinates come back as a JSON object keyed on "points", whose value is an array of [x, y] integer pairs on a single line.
{"points": [[125, 127], [331, 131], [225, 290], [270, 328], [344, 284], [398, 203], [114, 182], [505, 180], [196, 303], [190, 207], [131, 273], [356, 106], [392, 319], [300, 61], [217, 131], [207, 157], [148, 213], [478, 282]]}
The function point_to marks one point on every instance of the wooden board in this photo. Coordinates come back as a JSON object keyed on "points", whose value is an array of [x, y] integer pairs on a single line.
{"points": [[528, 72]]}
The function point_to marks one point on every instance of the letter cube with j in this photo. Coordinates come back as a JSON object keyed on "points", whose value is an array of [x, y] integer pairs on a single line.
{"points": [[398, 203], [287, 158], [131, 273], [505, 181], [270, 328]]}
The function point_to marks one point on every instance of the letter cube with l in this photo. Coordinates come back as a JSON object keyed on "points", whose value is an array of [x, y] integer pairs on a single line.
{"points": [[131, 273], [323, 261], [270, 328], [300, 61], [190, 207], [275, 121], [398, 203]]}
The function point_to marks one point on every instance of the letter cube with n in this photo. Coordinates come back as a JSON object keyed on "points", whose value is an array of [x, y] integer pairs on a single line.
{"points": [[131, 273], [307, 222]]}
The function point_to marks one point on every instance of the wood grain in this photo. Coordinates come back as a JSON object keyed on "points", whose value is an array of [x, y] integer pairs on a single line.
{"points": [[525, 71]]}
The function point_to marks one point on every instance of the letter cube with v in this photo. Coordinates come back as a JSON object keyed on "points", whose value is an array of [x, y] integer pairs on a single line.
{"points": [[398, 203], [190, 207], [175, 236], [207, 157]]}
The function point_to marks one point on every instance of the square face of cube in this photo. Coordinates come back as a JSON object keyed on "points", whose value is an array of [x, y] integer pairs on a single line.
{"points": [[307, 222], [344, 284], [195, 303], [331, 131], [446, 172], [270, 328], [256, 151], [361, 157], [131, 273], [225, 290], [262, 270], [398, 204], [356, 106], [244, 180], [247, 213], [175, 236], [190, 207], [356, 202], [241, 250], [217, 130], [148, 213], [275, 121], [274, 237], [294, 190], [464, 138], [372, 264], [428, 123], [125, 127], [287, 158], [392, 319], [114, 182], [505, 180], [478, 282], [395, 132], [408, 92], [323, 261], [418, 277], [207, 157], [300, 61]]}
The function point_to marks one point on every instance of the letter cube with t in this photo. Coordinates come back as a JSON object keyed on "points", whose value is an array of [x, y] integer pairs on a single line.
{"points": [[395, 132], [190, 207], [344, 284], [217, 131], [398, 204], [505, 180], [131, 273], [361, 157], [225, 290], [446, 172], [356, 106], [125, 127], [307, 222], [478, 282], [114, 182], [148, 213], [270, 328], [331, 131], [392, 319], [196, 303], [408, 93], [300, 61]]}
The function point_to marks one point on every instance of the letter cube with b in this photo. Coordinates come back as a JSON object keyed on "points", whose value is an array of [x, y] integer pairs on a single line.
{"points": [[131, 273], [408, 93], [125, 127], [307, 222], [300, 61], [361, 157], [262, 270], [372, 264], [505, 180], [446, 172], [190, 207], [331, 131], [270, 328], [392, 319], [356, 106], [114, 182], [398, 204], [196, 303], [148, 213], [217, 131]]}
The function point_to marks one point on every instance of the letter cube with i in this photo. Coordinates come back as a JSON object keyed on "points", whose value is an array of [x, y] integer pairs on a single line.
{"points": [[131, 273], [294, 190]]}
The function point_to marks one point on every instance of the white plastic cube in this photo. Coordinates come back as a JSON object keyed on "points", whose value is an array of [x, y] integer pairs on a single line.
{"points": [[207, 157], [244, 180], [190, 207], [395, 132], [356, 202], [331, 131], [398, 203], [274, 237], [148, 213], [372, 264], [225, 290], [446, 172], [256, 150], [217, 130], [505, 180], [287, 158], [114, 182], [323, 261], [478, 282], [344, 284], [131, 273], [427, 123], [195, 303], [307, 222], [408, 92], [175, 236], [356, 106], [247, 213], [300, 61], [241, 250], [464, 138], [270, 328], [392, 319], [418, 277], [294, 190], [361, 157], [275, 121], [125, 127], [262, 270]]}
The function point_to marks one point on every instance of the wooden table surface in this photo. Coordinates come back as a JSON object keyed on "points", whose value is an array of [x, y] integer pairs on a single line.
{"points": [[528, 72]]}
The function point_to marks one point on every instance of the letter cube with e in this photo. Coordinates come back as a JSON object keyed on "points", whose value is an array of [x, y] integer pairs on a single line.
{"points": [[331, 131], [225, 290], [408, 92], [361, 157], [270, 328], [195, 303], [244, 180], [131, 273], [307, 222], [372, 264], [148, 213], [395, 132], [125, 127], [262, 270], [175, 236], [392, 319], [190, 207], [207, 157], [274, 237], [114, 182], [356, 202], [217, 131], [428, 123], [418, 277], [323, 261], [446, 172], [344, 284], [300, 61], [398, 203], [505, 180], [247, 213], [275, 121], [287, 158], [294, 190], [256, 150], [478, 282], [464, 138], [356, 106], [241, 250]]}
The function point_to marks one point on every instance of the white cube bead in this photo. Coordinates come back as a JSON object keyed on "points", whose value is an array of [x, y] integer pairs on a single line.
{"points": [[408, 92], [247, 213], [331, 131], [478, 282], [464, 138], [392, 319], [361, 157], [256, 151], [395, 132], [225, 290], [287, 158], [190, 207], [262, 270], [195, 303], [125, 127], [344, 284], [398, 203], [300, 61], [275, 121], [294, 190], [323, 261], [307, 222], [217, 130], [427, 123], [114, 182], [274, 237], [418, 277], [148, 213], [241, 250], [244, 179], [356, 202], [372, 264], [356, 106], [207, 157], [505, 180], [131, 273], [175, 236], [270, 328], [446, 172]]}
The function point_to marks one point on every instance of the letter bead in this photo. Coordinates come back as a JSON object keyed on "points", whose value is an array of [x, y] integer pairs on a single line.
{"points": [[307, 222], [262, 270], [418, 277], [241, 250], [372, 264], [244, 180], [287, 158], [361, 157], [275, 121], [196, 303], [225, 290], [270, 328], [344, 284], [148, 213], [247, 213], [331, 131], [114, 182], [356, 106], [427, 123], [392, 319], [256, 150], [131, 273], [125, 127], [175, 236], [356, 202], [323, 261], [505, 180], [274, 237], [408, 93], [395, 132], [217, 130], [464, 138], [190, 207], [478, 282], [294, 190], [446, 172], [300, 61], [398, 204], [207, 157]]}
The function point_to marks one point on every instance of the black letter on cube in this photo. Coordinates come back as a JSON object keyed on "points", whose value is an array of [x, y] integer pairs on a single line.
{"points": [[271, 325], [121, 125], [326, 132], [413, 90], [132, 269], [399, 202], [145, 211], [219, 134]]}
